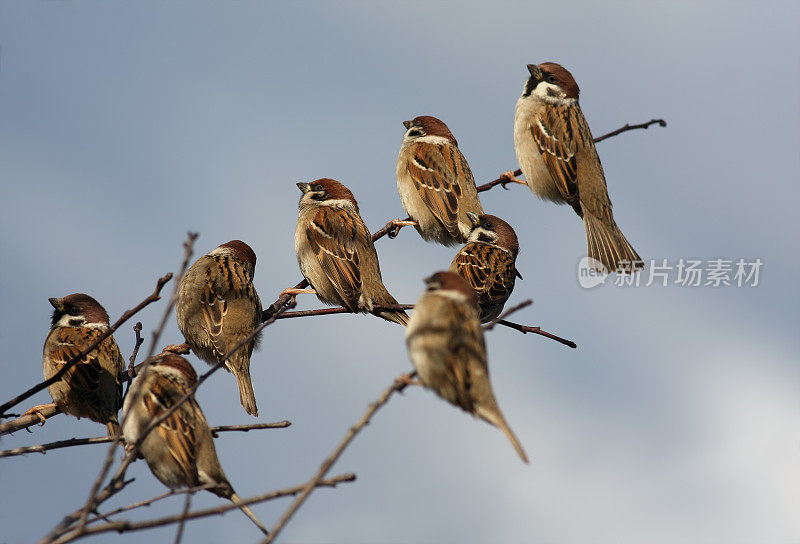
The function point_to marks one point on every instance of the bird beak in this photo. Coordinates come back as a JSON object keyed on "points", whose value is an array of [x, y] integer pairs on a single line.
{"points": [[473, 218], [407, 124], [428, 280], [535, 71], [305, 187], [56, 302]]}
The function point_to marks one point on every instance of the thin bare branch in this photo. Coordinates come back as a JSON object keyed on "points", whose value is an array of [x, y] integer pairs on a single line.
{"points": [[29, 420], [524, 329], [628, 126], [397, 386], [91, 505], [524, 304], [339, 310], [137, 330], [117, 481], [187, 503], [127, 526], [44, 448], [154, 296]]}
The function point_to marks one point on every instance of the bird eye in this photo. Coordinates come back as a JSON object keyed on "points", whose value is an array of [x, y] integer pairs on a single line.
{"points": [[487, 225], [552, 79], [318, 187]]}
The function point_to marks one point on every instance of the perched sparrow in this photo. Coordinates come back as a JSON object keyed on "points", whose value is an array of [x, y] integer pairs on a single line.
{"points": [[180, 450], [218, 307], [556, 153], [487, 263], [435, 183], [336, 254], [445, 344], [93, 387]]}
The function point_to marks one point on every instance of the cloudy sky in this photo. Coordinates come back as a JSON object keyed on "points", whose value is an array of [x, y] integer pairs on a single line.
{"points": [[676, 419]]}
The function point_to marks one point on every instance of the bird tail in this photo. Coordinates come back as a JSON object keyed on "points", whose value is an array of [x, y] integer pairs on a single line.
{"points": [[607, 244], [249, 513], [247, 396], [397, 316], [494, 417], [385, 299]]}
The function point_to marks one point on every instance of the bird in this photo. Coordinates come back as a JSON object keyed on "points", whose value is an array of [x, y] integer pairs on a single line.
{"points": [[488, 263], [557, 155], [180, 450], [336, 254], [435, 182], [218, 307], [446, 346], [91, 388]]}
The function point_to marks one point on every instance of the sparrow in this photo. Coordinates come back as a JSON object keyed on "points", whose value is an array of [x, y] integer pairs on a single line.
{"points": [[93, 386], [336, 254], [180, 450], [435, 183], [556, 152], [218, 307], [487, 263], [445, 344]]}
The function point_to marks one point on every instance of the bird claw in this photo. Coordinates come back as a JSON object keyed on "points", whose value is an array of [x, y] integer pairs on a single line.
{"points": [[510, 178], [405, 380], [398, 224], [36, 410]]}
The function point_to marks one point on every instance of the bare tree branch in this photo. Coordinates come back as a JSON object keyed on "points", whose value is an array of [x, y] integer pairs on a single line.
{"points": [[137, 330], [182, 522], [90, 505], [628, 126], [44, 448], [396, 387], [127, 526], [28, 420], [117, 481], [154, 296]]}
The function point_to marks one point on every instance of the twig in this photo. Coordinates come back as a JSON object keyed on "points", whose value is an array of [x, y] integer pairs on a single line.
{"points": [[154, 296], [187, 255], [502, 180], [182, 522], [524, 329], [339, 310], [628, 127], [127, 526], [117, 481], [396, 387], [137, 329], [146, 502], [28, 420], [524, 304], [44, 448]]}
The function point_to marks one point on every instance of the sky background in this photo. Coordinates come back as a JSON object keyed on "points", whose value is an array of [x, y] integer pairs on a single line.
{"points": [[122, 126]]}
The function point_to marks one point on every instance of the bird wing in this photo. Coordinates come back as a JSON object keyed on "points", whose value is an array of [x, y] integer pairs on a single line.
{"points": [[488, 269], [336, 236], [560, 132], [180, 430], [85, 376], [228, 284], [440, 172]]}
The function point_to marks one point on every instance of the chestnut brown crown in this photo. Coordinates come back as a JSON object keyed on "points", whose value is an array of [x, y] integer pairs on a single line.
{"points": [[506, 237], [327, 189], [242, 250], [180, 364], [450, 281], [79, 305], [431, 126], [556, 74]]}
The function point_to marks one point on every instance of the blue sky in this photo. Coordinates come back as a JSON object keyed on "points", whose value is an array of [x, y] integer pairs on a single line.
{"points": [[122, 126]]}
